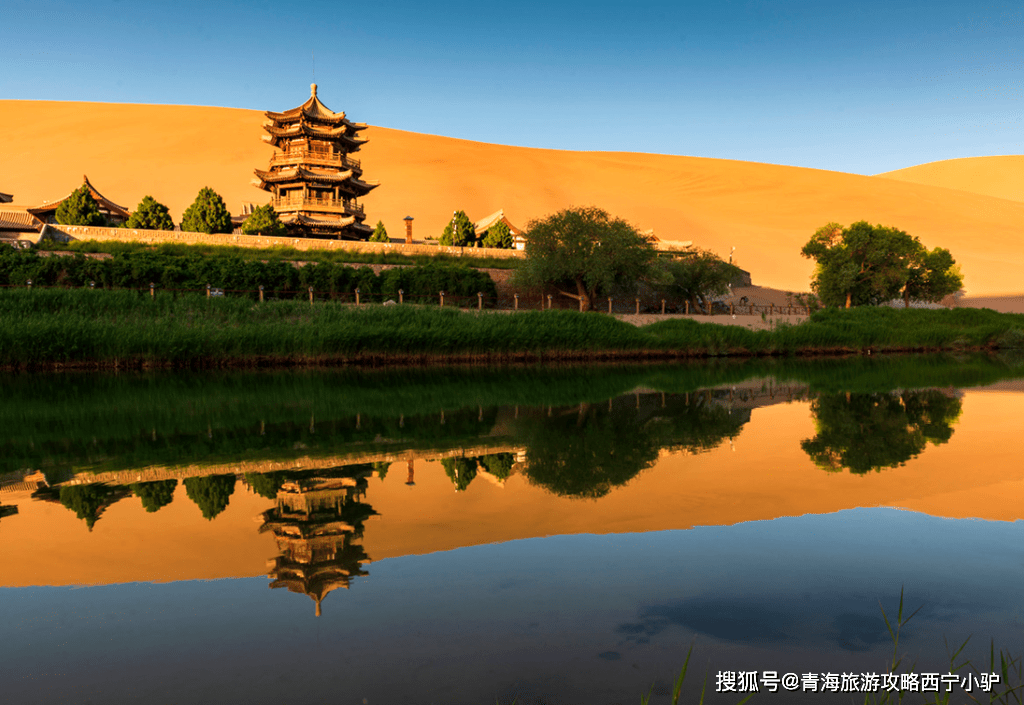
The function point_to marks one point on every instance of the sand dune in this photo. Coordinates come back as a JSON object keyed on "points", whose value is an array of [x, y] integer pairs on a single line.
{"points": [[766, 211], [1002, 177]]}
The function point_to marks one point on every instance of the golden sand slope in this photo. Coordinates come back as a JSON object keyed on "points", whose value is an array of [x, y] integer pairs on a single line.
{"points": [[766, 211], [1002, 177]]}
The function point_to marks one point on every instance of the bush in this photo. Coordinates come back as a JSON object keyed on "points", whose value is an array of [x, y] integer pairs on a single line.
{"points": [[207, 214], [463, 234], [380, 233], [424, 283], [264, 221], [498, 235], [150, 215], [80, 208]]}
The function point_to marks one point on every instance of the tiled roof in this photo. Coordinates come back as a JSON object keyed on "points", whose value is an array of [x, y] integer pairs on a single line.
{"points": [[19, 220]]}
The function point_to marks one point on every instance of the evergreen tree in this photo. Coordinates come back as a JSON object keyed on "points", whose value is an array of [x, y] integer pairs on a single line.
{"points": [[155, 495], [207, 214], [463, 234], [210, 493], [264, 221], [150, 215], [380, 234], [80, 208], [498, 235]]}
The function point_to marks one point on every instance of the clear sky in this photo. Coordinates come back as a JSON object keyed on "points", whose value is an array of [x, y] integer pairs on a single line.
{"points": [[864, 87]]}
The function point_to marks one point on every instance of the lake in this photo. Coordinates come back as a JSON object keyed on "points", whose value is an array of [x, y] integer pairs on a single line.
{"points": [[553, 535]]}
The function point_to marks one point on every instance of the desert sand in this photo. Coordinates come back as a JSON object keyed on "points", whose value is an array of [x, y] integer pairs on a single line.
{"points": [[766, 211], [988, 176]]}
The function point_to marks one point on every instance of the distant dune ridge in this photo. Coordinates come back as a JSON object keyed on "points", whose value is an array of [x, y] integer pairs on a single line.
{"points": [[766, 211]]}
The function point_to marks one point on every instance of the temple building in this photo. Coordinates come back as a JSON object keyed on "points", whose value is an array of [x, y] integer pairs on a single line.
{"points": [[115, 215], [481, 227], [318, 522], [314, 179]]}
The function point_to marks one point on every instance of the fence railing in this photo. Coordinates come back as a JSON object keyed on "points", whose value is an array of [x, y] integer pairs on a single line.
{"points": [[340, 204], [303, 155], [503, 301]]}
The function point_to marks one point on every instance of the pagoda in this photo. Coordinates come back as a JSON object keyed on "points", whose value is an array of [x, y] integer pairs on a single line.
{"points": [[313, 178], [318, 525]]}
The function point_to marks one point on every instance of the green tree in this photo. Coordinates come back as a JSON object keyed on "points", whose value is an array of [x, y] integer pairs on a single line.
{"points": [[932, 275], [263, 221], [870, 265], [265, 484], [207, 214], [380, 233], [498, 235], [89, 501], [696, 278], [154, 495], [583, 252], [498, 464], [80, 208], [459, 232], [150, 215], [870, 431], [210, 493], [460, 471]]}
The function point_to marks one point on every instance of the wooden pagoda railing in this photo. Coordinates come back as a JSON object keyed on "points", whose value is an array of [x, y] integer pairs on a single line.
{"points": [[299, 202], [311, 156]]}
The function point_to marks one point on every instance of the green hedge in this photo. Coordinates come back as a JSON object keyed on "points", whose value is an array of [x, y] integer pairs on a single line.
{"points": [[136, 269]]}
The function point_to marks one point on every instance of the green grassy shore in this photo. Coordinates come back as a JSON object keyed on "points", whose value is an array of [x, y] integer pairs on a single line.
{"points": [[75, 327]]}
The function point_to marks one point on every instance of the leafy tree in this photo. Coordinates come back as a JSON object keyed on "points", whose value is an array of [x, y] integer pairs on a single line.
{"points": [[499, 464], [89, 501], [210, 493], [498, 235], [381, 468], [463, 234], [263, 221], [155, 495], [864, 432], [461, 471], [80, 208], [697, 277], [150, 215], [380, 233], [583, 252], [207, 214], [870, 265], [932, 276], [265, 484]]}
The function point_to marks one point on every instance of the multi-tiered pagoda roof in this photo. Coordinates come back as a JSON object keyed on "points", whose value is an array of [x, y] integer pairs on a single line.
{"points": [[314, 179], [317, 524]]}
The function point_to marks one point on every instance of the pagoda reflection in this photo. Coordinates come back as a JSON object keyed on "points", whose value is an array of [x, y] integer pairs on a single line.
{"points": [[318, 524]]}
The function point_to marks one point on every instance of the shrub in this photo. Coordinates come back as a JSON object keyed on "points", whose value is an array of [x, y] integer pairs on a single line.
{"points": [[207, 214], [380, 233], [150, 215], [264, 221], [80, 208]]}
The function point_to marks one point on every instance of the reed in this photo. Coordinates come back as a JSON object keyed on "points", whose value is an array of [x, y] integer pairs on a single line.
{"points": [[118, 327]]}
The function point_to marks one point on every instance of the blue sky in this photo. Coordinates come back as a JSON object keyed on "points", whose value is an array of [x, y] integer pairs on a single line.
{"points": [[863, 87]]}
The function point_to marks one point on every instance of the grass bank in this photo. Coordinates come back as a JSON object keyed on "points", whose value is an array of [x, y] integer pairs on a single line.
{"points": [[75, 327]]}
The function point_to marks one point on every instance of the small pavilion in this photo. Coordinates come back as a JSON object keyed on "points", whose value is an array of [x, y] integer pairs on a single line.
{"points": [[114, 213]]}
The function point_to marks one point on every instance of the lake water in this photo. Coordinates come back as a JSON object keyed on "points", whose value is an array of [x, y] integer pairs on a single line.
{"points": [[538, 535]]}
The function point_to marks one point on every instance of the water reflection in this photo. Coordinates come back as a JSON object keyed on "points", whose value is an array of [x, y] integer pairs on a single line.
{"points": [[864, 432], [318, 522]]}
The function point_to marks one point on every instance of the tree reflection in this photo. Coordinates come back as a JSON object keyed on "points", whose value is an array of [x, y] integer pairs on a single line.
{"points": [[155, 495], [863, 432], [211, 493], [587, 450], [88, 502]]}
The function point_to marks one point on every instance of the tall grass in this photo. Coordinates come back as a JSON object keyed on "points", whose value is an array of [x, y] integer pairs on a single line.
{"points": [[55, 326]]}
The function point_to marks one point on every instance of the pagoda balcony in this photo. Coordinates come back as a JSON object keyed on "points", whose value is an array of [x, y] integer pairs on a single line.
{"points": [[323, 205], [308, 156]]}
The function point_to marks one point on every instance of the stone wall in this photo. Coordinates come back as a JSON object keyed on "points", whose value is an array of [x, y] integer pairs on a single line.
{"points": [[156, 237]]}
